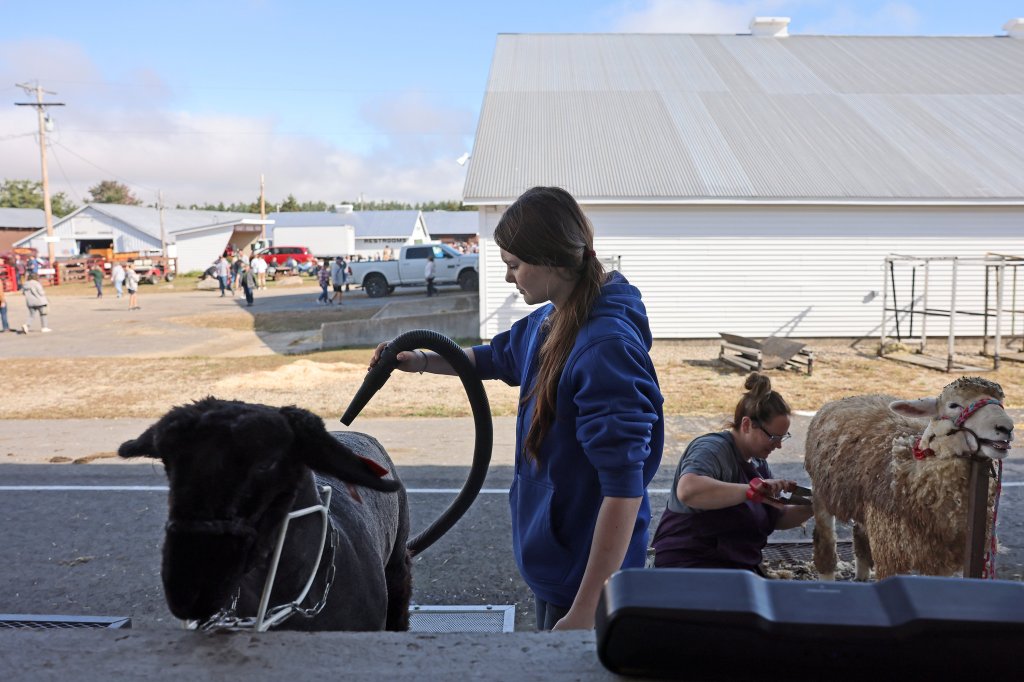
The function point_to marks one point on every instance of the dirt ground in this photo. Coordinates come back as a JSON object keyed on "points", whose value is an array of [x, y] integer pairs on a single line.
{"points": [[77, 381]]}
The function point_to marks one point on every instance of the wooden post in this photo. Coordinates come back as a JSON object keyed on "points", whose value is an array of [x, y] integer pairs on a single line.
{"points": [[952, 323], [885, 302], [977, 518], [984, 328], [1000, 288], [924, 306]]}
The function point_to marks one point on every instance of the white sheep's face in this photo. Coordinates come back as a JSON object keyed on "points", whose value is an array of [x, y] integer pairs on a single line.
{"points": [[988, 430]]}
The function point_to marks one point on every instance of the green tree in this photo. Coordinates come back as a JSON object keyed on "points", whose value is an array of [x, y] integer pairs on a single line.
{"points": [[113, 192], [61, 205], [29, 194], [290, 204]]}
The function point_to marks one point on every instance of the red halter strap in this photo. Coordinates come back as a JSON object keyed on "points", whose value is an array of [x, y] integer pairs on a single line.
{"points": [[972, 408], [919, 453]]}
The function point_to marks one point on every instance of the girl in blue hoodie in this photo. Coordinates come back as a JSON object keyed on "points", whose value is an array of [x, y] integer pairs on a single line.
{"points": [[589, 431]]}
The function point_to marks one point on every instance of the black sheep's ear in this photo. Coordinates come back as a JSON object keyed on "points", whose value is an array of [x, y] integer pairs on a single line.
{"points": [[143, 446], [321, 452]]}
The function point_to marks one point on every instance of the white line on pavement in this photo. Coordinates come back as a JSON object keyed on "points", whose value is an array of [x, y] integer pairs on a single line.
{"points": [[411, 491]]}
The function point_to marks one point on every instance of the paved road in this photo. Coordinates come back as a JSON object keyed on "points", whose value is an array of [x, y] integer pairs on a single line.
{"points": [[96, 552]]}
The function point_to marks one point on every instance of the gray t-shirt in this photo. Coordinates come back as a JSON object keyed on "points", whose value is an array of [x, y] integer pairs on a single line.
{"points": [[713, 455]]}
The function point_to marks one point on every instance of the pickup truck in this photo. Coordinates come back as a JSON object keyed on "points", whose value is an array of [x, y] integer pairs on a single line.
{"points": [[380, 277]]}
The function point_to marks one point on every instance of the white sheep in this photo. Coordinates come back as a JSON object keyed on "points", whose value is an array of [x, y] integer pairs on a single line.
{"points": [[909, 513]]}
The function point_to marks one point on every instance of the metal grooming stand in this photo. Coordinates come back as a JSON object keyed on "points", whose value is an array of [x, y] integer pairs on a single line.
{"points": [[993, 264]]}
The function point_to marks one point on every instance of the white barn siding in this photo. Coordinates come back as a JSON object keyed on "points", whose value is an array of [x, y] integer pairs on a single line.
{"points": [[793, 271], [195, 249], [89, 225]]}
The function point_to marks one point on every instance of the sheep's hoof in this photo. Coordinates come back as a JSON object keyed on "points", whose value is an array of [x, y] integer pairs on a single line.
{"points": [[863, 574]]}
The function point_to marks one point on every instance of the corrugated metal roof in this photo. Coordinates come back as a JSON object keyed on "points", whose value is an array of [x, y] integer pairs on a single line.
{"points": [[147, 218], [22, 218], [452, 222], [397, 224], [680, 118]]}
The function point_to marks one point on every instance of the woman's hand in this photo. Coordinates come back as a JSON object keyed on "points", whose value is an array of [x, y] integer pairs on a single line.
{"points": [[408, 360], [767, 490]]}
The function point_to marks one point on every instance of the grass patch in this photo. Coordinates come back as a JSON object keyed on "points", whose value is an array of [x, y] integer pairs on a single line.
{"points": [[692, 383]]}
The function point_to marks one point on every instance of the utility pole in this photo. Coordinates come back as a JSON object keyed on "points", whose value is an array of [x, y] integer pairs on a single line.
{"points": [[263, 213], [40, 106], [163, 232]]}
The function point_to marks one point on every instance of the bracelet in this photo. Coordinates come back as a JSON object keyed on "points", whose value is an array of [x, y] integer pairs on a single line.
{"points": [[426, 361]]}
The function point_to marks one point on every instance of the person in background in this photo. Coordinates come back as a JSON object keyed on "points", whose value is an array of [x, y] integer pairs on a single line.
{"points": [[96, 272], [117, 277], [428, 274], [236, 273], [131, 282], [35, 299], [323, 278], [20, 270], [223, 270], [387, 252], [339, 275], [722, 508], [590, 429], [259, 267], [248, 279], [3, 309]]}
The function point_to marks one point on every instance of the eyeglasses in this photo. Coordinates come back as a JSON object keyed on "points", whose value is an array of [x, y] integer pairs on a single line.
{"points": [[773, 438]]}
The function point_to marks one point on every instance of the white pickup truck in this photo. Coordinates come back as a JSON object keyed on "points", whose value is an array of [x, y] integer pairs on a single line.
{"points": [[380, 277]]}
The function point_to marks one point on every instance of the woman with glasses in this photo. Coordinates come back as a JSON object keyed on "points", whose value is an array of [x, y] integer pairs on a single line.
{"points": [[725, 501]]}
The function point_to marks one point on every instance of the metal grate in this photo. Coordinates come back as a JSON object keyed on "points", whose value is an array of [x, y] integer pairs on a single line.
{"points": [[801, 551], [38, 622], [437, 619]]}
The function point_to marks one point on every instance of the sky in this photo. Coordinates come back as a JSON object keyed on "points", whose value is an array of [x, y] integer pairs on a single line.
{"points": [[328, 101]]}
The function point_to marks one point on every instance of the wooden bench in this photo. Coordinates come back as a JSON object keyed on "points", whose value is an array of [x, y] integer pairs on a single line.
{"points": [[770, 353]]}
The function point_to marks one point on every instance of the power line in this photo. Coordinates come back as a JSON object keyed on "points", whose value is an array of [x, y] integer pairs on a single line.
{"points": [[63, 173], [13, 137], [108, 172]]}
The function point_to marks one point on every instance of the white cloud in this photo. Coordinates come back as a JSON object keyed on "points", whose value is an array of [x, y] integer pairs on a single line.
{"points": [[694, 16], [892, 18], [128, 130]]}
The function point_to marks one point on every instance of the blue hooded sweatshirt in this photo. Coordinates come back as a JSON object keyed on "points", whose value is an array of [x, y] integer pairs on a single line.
{"points": [[606, 439]]}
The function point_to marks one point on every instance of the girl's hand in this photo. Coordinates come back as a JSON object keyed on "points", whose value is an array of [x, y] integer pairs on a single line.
{"points": [[574, 621], [408, 360]]}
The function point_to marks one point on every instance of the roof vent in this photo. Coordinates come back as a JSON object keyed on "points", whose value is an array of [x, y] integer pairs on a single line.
{"points": [[343, 208], [1014, 28], [769, 27]]}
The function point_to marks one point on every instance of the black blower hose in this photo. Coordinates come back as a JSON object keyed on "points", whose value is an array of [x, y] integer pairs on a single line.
{"points": [[456, 357]]}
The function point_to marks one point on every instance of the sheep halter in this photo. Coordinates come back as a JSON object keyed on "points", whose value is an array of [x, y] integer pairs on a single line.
{"points": [[228, 619], [958, 425], [966, 413]]}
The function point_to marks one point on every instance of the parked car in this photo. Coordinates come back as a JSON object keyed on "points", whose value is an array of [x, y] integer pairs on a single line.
{"points": [[278, 256], [380, 277]]}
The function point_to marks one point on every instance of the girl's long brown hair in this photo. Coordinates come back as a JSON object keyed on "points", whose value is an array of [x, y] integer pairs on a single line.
{"points": [[545, 226]]}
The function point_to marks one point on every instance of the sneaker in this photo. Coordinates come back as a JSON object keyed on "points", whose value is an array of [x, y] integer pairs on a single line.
{"points": [[24, 329], [45, 329]]}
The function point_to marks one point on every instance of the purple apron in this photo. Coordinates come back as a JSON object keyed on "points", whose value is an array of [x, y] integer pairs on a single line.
{"points": [[732, 537]]}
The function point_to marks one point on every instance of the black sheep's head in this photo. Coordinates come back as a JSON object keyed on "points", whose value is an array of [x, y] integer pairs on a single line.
{"points": [[234, 469]]}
